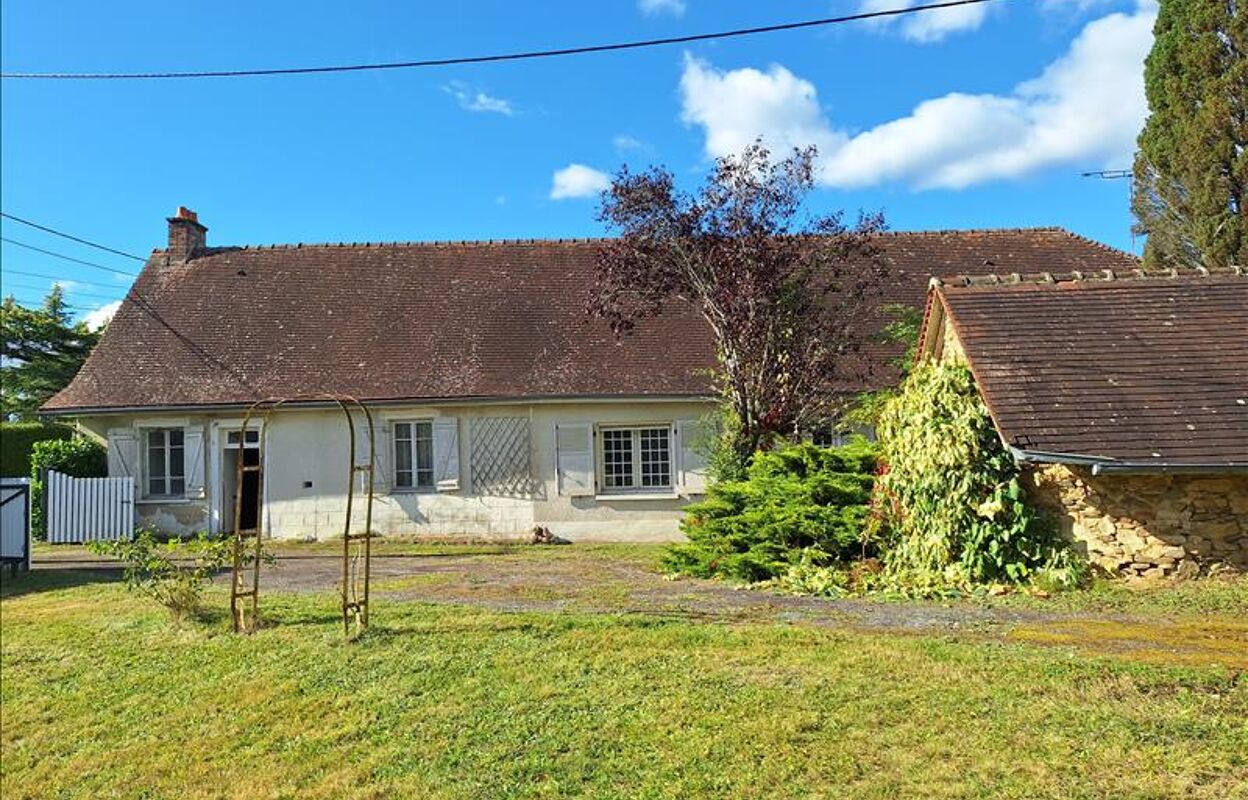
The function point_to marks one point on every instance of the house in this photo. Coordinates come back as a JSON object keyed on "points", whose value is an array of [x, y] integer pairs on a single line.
{"points": [[500, 404], [1124, 395]]}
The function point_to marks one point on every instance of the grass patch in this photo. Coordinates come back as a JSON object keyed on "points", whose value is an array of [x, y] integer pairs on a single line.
{"points": [[101, 697], [1214, 595]]}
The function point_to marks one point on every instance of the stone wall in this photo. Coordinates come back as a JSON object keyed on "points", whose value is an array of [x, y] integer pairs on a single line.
{"points": [[1149, 525]]}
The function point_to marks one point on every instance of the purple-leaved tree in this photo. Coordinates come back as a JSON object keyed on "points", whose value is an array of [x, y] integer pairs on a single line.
{"points": [[786, 294]]}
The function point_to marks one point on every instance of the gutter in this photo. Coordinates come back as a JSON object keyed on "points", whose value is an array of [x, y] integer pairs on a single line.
{"points": [[1111, 466], [90, 411]]}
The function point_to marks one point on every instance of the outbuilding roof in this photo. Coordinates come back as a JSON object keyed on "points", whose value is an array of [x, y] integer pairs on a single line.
{"points": [[447, 320], [1134, 368]]}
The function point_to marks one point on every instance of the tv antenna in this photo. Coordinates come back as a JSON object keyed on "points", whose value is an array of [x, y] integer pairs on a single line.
{"points": [[1115, 175]]}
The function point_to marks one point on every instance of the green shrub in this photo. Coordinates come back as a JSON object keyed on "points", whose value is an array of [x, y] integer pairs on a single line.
{"points": [[173, 573], [951, 511], [79, 457], [18, 438], [800, 504]]}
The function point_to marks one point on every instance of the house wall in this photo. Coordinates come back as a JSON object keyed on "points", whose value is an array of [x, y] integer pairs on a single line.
{"points": [[306, 467], [1149, 525]]}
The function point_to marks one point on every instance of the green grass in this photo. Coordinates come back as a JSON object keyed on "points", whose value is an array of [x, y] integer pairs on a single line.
{"points": [[102, 697]]}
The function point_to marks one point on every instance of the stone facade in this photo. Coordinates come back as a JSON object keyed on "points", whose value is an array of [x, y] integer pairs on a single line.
{"points": [[1148, 525]]}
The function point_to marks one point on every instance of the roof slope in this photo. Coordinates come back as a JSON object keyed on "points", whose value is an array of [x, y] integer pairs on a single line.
{"points": [[1142, 369], [445, 320]]}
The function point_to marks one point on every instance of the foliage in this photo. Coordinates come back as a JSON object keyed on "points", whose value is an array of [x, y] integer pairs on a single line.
{"points": [[17, 440], [1191, 170], [173, 573], [79, 457], [950, 510], [798, 504], [43, 350], [778, 290], [903, 328]]}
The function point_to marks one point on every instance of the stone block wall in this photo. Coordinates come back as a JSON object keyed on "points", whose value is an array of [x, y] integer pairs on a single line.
{"points": [[1148, 525]]}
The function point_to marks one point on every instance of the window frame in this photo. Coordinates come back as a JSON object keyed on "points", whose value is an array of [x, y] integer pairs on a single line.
{"points": [[167, 476], [637, 453], [414, 469]]}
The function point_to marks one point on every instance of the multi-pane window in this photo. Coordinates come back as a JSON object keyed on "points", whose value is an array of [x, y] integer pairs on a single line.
{"points": [[413, 455], [636, 458], [166, 463]]}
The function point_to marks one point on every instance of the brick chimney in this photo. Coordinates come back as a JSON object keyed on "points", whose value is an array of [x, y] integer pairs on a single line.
{"points": [[186, 235]]}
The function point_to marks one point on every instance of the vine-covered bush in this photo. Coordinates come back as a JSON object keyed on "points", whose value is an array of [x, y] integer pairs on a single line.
{"points": [[79, 457], [800, 504], [950, 510]]}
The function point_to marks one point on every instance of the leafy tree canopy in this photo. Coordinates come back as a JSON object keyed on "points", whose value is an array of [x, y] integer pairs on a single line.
{"points": [[1191, 171], [781, 291], [43, 350]]}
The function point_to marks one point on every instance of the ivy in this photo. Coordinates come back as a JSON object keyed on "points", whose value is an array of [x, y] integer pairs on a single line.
{"points": [[950, 511]]}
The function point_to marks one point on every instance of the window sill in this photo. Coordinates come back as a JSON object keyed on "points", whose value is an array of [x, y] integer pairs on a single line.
{"points": [[163, 501], [415, 490], [637, 496]]}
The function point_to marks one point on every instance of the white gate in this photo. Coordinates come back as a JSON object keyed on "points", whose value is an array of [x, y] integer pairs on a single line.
{"points": [[15, 522], [88, 509]]}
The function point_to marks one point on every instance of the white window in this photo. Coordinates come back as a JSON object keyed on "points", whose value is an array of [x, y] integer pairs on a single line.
{"points": [[166, 462], [413, 455], [636, 459], [253, 438]]}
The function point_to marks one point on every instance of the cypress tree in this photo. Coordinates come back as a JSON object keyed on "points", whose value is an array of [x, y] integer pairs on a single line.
{"points": [[1191, 171]]}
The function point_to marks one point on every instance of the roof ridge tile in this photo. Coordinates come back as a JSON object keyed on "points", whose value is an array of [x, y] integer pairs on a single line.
{"points": [[1077, 276]]}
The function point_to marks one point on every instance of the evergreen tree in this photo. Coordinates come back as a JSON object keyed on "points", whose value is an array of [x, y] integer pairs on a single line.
{"points": [[43, 350], [1191, 172]]}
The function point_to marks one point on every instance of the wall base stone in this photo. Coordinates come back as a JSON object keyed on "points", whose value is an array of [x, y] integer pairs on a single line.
{"points": [[1148, 525]]}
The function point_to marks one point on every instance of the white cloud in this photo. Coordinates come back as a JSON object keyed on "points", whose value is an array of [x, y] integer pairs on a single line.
{"points": [[1086, 107], [1075, 6], [652, 8], [929, 26], [578, 180], [99, 317], [738, 106], [623, 143], [471, 99]]}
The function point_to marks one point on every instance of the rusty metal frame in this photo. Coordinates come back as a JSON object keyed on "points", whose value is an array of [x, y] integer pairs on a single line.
{"points": [[355, 582]]}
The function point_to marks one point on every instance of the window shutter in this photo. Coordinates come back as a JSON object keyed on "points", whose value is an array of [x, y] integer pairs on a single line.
{"points": [[692, 462], [446, 454], [383, 450], [574, 459], [123, 453], [193, 446]]}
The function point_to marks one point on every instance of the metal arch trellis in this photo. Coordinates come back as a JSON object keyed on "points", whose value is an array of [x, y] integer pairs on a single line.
{"points": [[355, 566]]}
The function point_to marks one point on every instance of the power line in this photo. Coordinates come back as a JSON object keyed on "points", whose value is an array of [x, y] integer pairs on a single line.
{"points": [[91, 264], [32, 287], [520, 56], [64, 235], [7, 271]]}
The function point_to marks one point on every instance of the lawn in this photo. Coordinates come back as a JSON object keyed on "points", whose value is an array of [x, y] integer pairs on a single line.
{"points": [[101, 697]]}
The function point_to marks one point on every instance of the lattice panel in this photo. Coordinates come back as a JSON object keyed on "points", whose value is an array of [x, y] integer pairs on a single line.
{"points": [[500, 457]]}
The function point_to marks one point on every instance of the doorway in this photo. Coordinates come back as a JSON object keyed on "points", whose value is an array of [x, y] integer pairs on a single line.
{"points": [[249, 519]]}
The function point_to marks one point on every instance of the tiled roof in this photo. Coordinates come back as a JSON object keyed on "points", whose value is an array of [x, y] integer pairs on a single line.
{"points": [[448, 320], [1147, 369]]}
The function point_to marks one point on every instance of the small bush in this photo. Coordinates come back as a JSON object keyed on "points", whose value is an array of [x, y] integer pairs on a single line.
{"points": [[17, 439], [153, 568], [80, 458], [800, 504], [951, 512]]}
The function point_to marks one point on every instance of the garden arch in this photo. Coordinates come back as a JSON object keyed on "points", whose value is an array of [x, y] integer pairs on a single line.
{"points": [[356, 547]]}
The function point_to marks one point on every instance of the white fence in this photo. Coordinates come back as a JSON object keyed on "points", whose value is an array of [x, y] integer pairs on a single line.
{"points": [[15, 522], [88, 509]]}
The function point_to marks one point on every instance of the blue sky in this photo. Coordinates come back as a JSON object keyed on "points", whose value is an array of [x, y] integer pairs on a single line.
{"points": [[970, 118]]}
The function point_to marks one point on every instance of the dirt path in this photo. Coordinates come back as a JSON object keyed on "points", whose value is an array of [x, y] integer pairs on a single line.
{"points": [[614, 580]]}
